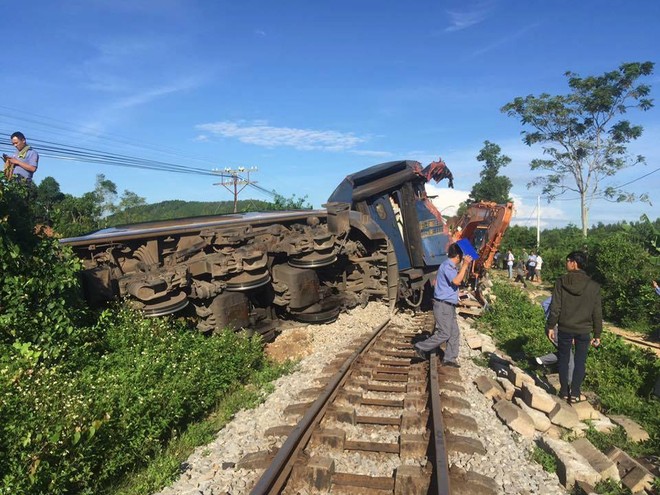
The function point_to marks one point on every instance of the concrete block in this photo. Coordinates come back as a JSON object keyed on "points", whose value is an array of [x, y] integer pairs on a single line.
{"points": [[564, 415], [515, 418], [599, 461], [518, 377], [509, 389], [489, 387], [541, 422], [537, 398], [571, 466], [634, 431], [585, 411], [633, 474]]}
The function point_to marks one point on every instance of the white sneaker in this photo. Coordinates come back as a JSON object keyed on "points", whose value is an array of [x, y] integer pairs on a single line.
{"points": [[538, 361]]}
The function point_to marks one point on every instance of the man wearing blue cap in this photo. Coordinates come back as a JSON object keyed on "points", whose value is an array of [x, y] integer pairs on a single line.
{"points": [[445, 300]]}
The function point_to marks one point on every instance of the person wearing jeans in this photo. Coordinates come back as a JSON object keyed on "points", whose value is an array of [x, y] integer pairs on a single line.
{"points": [[576, 310]]}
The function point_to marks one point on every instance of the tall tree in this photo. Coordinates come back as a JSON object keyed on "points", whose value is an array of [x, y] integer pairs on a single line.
{"points": [[491, 187], [128, 204], [106, 194], [48, 195], [584, 140]]}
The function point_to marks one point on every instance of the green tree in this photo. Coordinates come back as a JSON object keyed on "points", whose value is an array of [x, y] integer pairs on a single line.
{"points": [[128, 206], [584, 140], [48, 195], [106, 194], [292, 203], [491, 187], [76, 216]]}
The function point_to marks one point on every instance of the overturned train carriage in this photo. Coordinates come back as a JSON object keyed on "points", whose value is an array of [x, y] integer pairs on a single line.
{"points": [[378, 237]]}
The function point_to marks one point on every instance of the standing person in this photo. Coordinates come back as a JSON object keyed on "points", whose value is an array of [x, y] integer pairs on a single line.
{"points": [[577, 312], [23, 164], [445, 300], [539, 265], [509, 262], [519, 272], [655, 286], [531, 266]]}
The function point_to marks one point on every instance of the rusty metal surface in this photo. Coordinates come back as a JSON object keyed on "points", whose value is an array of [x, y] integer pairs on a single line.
{"points": [[186, 225], [441, 466]]}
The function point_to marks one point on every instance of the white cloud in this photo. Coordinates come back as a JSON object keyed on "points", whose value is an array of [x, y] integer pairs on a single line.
{"points": [[506, 40], [148, 95], [261, 134], [466, 19], [446, 199], [547, 215]]}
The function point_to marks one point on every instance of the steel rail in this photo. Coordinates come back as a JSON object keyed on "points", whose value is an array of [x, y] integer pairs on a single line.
{"points": [[275, 477], [441, 466]]}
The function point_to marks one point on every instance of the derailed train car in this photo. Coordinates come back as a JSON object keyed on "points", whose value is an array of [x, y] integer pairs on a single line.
{"points": [[379, 236]]}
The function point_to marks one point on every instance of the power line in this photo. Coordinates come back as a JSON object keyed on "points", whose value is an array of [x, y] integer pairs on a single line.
{"points": [[638, 178], [68, 152]]}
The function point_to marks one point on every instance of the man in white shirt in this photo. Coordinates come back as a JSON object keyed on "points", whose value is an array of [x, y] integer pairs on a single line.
{"points": [[539, 264]]}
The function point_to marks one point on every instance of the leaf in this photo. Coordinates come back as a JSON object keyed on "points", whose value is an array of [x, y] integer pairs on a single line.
{"points": [[76, 437]]}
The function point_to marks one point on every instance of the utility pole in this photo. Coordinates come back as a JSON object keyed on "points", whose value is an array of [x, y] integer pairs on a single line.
{"points": [[231, 180], [538, 222]]}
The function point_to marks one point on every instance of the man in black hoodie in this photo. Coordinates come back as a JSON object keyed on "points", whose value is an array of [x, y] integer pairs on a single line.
{"points": [[576, 309]]}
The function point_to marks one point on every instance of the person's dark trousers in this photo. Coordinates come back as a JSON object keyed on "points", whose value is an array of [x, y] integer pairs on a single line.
{"points": [[531, 270], [564, 342]]}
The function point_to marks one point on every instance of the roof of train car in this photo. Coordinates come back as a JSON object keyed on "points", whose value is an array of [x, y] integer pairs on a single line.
{"points": [[190, 224]]}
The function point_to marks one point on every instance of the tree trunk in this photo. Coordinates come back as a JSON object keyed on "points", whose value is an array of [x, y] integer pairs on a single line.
{"points": [[584, 213]]}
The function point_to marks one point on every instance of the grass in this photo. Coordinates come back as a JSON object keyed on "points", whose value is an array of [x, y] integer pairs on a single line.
{"points": [[165, 467], [546, 460]]}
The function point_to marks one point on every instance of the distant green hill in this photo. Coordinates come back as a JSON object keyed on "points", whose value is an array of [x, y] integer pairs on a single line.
{"points": [[167, 210]]}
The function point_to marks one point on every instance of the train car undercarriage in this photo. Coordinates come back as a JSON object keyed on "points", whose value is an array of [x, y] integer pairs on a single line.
{"points": [[242, 271]]}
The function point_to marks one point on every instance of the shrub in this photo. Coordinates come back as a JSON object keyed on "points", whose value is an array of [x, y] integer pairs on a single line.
{"points": [[69, 431], [625, 270]]}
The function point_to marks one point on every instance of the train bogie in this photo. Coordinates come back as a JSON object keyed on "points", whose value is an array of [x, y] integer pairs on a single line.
{"points": [[240, 271]]}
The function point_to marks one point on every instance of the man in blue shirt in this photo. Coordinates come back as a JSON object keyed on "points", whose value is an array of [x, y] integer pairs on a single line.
{"points": [[24, 163], [445, 300]]}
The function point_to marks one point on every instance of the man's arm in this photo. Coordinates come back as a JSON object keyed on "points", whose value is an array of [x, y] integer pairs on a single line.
{"points": [[458, 279], [555, 308], [29, 164]]}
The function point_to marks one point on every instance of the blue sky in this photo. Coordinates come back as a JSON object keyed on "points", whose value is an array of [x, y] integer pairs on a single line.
{"points": [[310, 91]]}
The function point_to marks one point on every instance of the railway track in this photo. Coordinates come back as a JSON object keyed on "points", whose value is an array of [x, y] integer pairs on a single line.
{"points": [[378, 423]]}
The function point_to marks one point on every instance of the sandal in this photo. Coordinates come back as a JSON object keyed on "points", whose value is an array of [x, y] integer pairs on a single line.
{"points": [[564, 397], [577, 400]]}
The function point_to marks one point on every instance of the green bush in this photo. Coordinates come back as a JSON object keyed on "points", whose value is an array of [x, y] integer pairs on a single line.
{"points": [[66, 431], [517, 325], [625, 270], [85, 397]]}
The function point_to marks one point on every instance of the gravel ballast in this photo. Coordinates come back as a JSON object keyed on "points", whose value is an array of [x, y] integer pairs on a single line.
{"points": [[210, 469]]}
